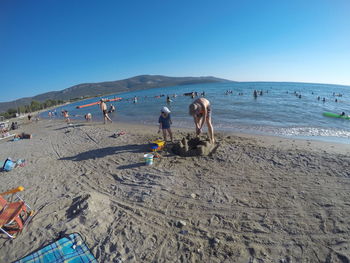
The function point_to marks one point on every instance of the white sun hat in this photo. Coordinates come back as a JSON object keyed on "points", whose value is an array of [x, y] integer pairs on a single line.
{"points": [[165, 110]]}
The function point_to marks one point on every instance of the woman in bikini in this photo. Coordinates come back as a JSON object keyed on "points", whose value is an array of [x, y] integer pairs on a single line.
{"points": [[201, 111]]}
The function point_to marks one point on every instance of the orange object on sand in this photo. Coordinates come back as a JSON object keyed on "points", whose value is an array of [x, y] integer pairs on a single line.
{"points": [[156, 155], [14, 215]]}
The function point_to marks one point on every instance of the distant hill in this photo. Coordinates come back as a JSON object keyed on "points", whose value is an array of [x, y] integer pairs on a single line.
{"points": [[110, 87]]}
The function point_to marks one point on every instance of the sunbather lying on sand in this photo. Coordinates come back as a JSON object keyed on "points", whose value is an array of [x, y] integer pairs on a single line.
{"points": [[23, 136]]}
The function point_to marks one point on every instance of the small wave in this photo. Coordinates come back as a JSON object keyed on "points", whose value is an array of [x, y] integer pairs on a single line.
{"points": [[317, 133], [312, 131]]}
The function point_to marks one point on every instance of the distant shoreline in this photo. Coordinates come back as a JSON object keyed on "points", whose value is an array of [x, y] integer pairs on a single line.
{"points": [[98, 89]]}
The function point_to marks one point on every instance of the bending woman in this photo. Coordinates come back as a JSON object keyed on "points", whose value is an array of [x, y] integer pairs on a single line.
{"points": [[201, 111]]}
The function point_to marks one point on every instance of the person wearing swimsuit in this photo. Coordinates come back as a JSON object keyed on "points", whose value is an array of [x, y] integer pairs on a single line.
{"points": [[103, 108], [201, 111]]}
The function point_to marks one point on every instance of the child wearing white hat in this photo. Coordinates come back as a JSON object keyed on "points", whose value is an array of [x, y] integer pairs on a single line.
{"points": [[165, 122]]}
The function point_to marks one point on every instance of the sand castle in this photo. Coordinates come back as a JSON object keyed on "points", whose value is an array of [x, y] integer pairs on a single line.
{"points": [[193, 147]]}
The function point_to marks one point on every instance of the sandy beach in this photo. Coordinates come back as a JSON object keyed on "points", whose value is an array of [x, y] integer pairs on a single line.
{"points": [[255, 199]]}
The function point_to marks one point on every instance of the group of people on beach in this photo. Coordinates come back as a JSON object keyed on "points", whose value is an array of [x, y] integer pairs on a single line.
{"points": [[200, 110], [52, 113], [88, 116]]}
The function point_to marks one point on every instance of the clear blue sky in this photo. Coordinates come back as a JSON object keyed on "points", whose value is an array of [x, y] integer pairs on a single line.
{"points": [[50, 45]]}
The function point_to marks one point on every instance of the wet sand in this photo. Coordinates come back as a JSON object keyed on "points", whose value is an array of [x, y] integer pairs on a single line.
{"points": [[255, 199]]}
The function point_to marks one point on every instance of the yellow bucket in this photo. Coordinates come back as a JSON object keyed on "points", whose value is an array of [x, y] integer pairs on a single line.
{"points": [[160, 143]]}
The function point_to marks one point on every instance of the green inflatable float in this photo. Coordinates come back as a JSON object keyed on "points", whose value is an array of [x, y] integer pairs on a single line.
{"points": [[335, 115]]}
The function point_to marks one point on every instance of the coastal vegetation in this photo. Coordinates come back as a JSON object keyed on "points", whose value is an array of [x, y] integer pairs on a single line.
{"points": [[33, 106]]}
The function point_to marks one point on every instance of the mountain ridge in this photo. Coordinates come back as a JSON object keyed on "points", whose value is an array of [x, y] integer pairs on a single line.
{"points": [[109, 87]]}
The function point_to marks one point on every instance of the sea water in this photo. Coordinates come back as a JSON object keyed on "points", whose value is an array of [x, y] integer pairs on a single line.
{"points": [[283, 109]]}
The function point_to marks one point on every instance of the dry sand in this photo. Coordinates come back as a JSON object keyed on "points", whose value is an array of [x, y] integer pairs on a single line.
{"points": [[256, 199]]}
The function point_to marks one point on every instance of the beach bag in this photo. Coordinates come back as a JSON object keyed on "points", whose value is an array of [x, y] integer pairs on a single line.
{"points": [[8, 165]]}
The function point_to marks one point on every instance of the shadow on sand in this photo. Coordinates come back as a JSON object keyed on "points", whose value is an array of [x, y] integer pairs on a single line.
{"points": [[70, 126], [130, 166], [103, 152]]}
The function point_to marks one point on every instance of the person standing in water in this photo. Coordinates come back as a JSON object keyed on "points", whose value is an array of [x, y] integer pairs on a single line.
{"points": [[103, 107], [111, 108], [201, 111]]}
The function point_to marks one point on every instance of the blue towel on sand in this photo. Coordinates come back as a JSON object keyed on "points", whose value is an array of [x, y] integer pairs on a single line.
{"points": [[69, 249]]}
